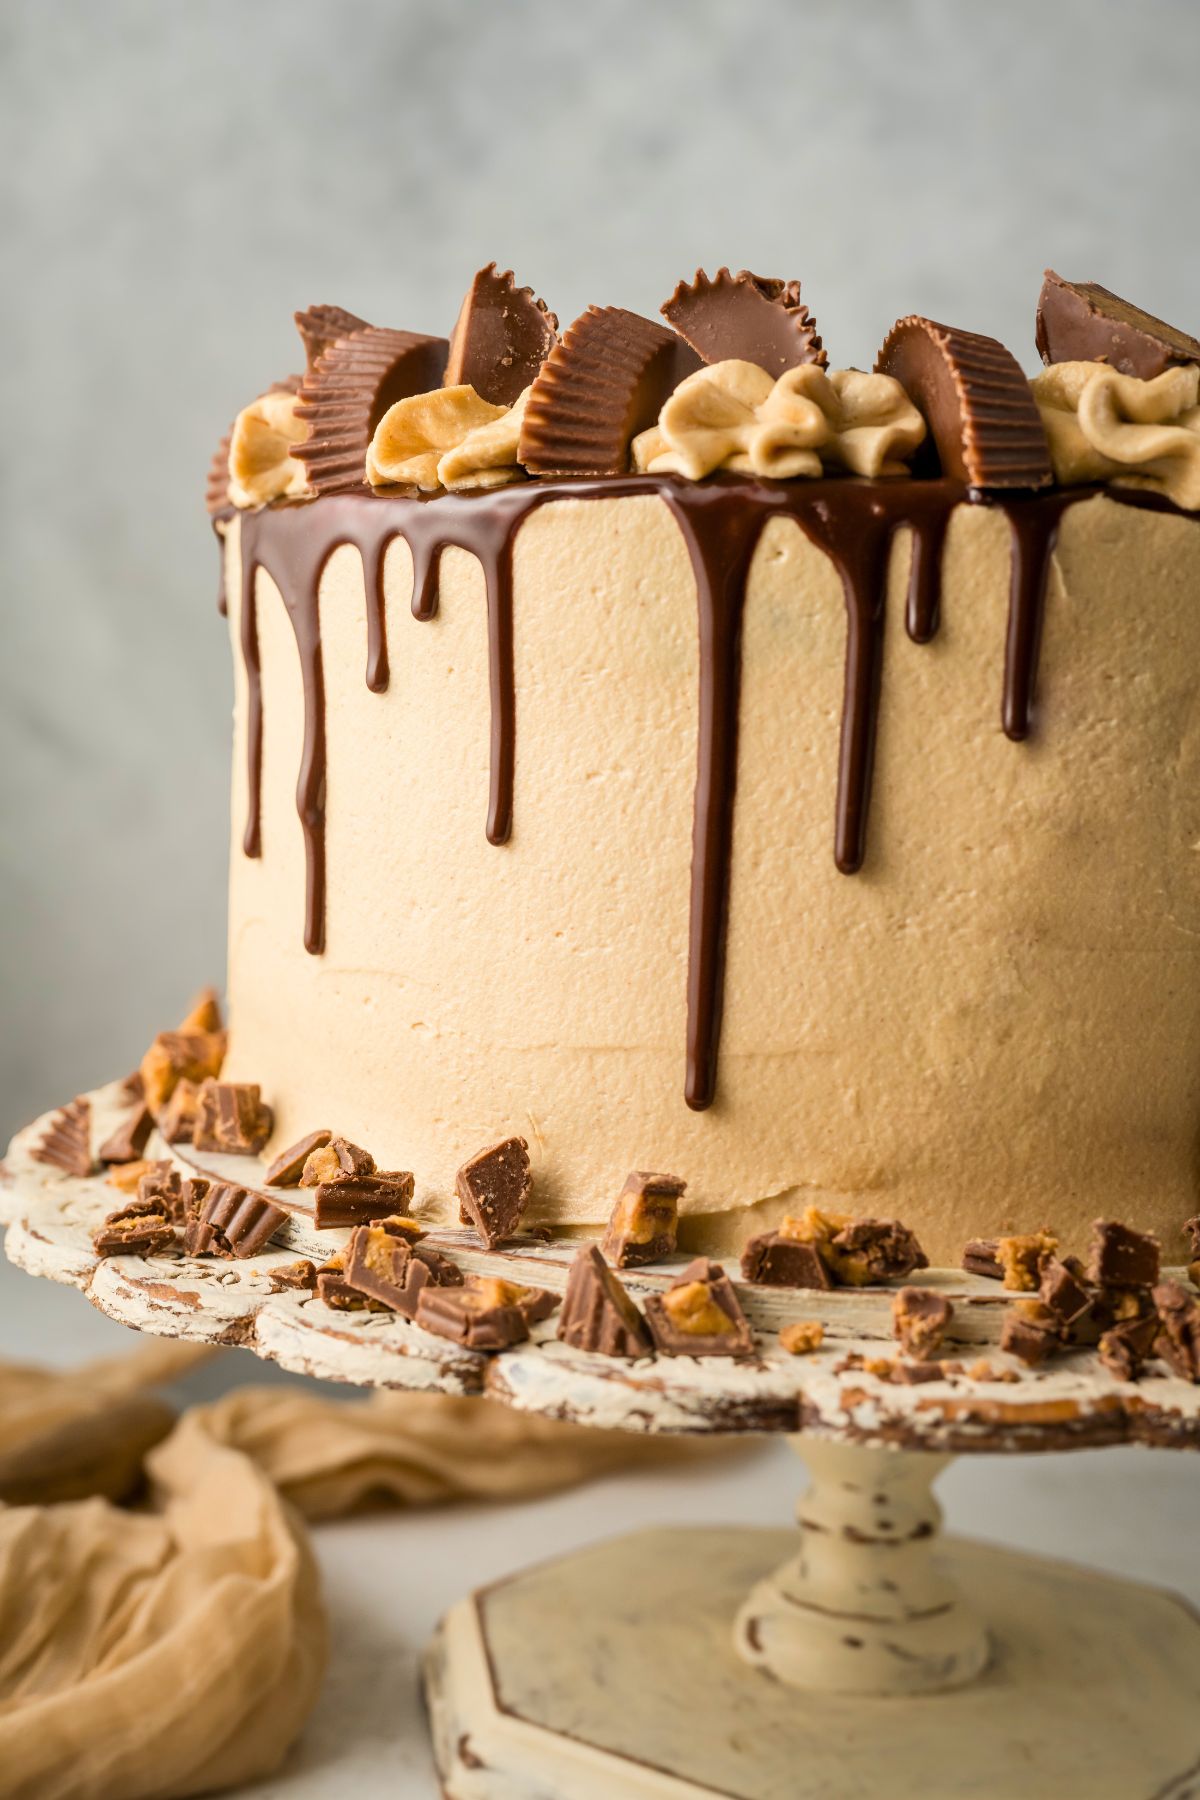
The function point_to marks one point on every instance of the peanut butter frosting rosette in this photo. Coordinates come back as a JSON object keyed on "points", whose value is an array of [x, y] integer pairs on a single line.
{"points": [[261, 465], [1104, 426], [450, 438], [732, 415]]}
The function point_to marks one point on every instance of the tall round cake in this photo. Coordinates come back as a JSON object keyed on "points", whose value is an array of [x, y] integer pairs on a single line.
{"points": [[659, 745]]}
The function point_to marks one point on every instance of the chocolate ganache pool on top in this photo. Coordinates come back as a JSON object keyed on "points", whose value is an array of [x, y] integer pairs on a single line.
{"points": [[685, 754]]}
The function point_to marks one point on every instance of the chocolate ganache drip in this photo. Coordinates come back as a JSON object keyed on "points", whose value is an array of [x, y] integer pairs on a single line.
{"points": [[854, 522]]}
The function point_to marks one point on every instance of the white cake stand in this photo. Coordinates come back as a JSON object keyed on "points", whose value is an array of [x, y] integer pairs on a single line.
{"points": [[871, 1657]]}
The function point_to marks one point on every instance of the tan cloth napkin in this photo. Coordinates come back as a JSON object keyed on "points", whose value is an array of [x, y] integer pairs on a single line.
{"points": [[178, 1648]]}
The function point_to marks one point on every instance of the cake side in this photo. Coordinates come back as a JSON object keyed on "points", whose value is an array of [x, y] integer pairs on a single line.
{"points": [[995, 1022]]}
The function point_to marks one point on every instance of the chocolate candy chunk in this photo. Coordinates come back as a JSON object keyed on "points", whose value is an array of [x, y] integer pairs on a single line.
{"points": [[1031, 1331], [125, 1177], [357, 1201], [868, 1251], [981, 1257], [483, 1314], [348, 391], [233, 1221], [335, 1160], [774, 1260], [177, 1120], [231, 1117], [503, 336], [753, 318], [598, 388], [1191, 1231], [1120, 1257], [67, 1141], [1178, 1340], [1063, 1291], [1124, 1348], [920, 1319], [387, 1261], [288, 1167], [126, 1143], [644, 1220], [493, 1190], [335, 1291], [977, 403], [165, 1190], [294, 1276], [139, 1229], [174, 1056], [802, 1337], [1080, 321], [699, 1315], [597, 1314], [320, 327]]}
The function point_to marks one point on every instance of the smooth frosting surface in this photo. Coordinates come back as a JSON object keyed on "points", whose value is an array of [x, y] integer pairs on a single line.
{"points": [[995, 1024]]}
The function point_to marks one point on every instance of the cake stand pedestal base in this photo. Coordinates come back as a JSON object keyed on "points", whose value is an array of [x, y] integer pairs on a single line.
{"points": [[689, 1663]]}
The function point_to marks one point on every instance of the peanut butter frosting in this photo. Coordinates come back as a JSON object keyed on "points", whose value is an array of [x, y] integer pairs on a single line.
{"points": [[449, 438], [261, 465], [1104, 426], [732, 415]]}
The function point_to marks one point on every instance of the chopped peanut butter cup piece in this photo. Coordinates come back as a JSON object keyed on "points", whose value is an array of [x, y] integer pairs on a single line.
{"points": [[67, 1141], [920, 1320], [802, 1337], [1126, 1348], [231, 1117], [1063, 1290], [180, 1197], [139, 1229], [748, 318], [1031, 1331], [699, 1315], [293, 1276], [503, 336], [483, 1314], [335, 1291], [644, 1221], [386, 1261], [232, 1221], [598, 388], [358, 1199], [868, 1252], [775, 1260], [177, 1120], [288, 1167], [204, 1014], [337, 1159], [1080, 321], [126, 1177], [183, 1055], [597, 1313], [1120, 1257], [347, 393], [1178, 1340], [976, 401], [493, 1190], [982, 1257], [320, 327], [1021, 1257], [126, 1143]]}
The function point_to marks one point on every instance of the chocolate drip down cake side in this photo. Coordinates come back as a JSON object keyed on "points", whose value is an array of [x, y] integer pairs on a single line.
{"points": [[659, 743]]}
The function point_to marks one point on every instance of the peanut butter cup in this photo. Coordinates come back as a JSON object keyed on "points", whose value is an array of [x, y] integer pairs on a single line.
{"points": [[597, 1313], [67, 1141], [1080, 321], [753, 318], [976, 401], [320, 327], [503, 336], [348, 391], [598, 388]]}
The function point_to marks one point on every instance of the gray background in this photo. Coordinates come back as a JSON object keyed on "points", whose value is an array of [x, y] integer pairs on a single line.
{"points": [[176, 178]]}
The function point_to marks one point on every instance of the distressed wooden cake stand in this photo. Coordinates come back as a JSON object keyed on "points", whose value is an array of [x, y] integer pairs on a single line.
{"points": [[872, 1657]]}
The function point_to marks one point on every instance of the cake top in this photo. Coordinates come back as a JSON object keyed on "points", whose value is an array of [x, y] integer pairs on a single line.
{"points": [[736, 380]]}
